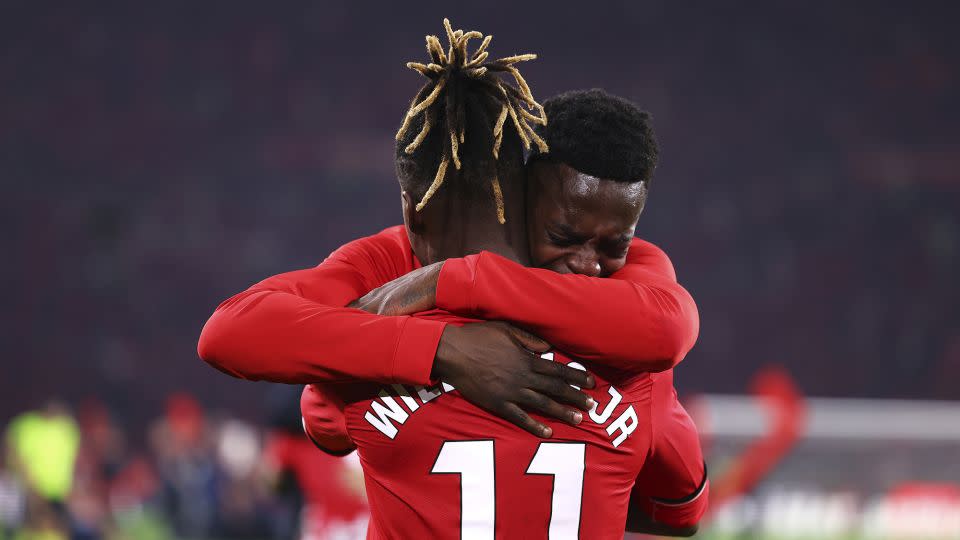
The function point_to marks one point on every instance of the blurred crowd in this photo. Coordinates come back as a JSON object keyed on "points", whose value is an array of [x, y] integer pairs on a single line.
{"points": [[158, 158], [196, 476]]}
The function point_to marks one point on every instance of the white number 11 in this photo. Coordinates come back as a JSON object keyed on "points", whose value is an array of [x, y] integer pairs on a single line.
{"points": [[474, 462]]}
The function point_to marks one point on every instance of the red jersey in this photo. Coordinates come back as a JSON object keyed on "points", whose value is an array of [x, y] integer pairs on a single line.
{"points": [[293, 328], [438, 467], [672, 486]]}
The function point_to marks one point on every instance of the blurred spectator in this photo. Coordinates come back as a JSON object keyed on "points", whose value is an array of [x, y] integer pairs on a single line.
{"points": [[201, 477], [185, 459], [42, 450], [331, 489], [41, 453]]}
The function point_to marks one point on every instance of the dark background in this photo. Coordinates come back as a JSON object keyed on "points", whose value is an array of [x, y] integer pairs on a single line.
{"points": [[158, 158]]}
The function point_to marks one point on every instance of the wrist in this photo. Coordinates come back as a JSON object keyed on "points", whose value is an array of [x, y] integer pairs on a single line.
{"points": [[455, 283], [428, 284], [446, 359]]}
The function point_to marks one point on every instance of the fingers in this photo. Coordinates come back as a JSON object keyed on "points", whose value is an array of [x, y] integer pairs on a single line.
{"points": [[576, 377], [515, 415], [557, 390], [527, 340], [537, 402]]}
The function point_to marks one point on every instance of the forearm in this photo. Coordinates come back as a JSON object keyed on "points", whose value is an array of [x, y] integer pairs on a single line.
{"points": [[278, 336], [411, 293], [636, 320]]}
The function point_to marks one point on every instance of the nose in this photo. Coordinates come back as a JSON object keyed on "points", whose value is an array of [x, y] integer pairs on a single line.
{"points": [[585, 262]]}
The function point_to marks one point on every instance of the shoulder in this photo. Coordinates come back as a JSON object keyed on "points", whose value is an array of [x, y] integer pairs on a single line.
{"points": [[391, 242], [383, 256], [649, 254]]}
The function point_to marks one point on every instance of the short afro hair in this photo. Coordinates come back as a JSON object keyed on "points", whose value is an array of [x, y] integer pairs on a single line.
{"points": [[599, 134]]}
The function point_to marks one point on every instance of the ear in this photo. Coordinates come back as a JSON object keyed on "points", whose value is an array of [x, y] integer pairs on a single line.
{"points": [[412, 218]]}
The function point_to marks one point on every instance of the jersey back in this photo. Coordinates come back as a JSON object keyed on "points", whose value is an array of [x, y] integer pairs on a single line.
{"points": [[436, 466]]}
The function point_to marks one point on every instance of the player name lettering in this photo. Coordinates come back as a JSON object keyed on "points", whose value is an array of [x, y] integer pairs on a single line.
{"points": [[387, 415]]}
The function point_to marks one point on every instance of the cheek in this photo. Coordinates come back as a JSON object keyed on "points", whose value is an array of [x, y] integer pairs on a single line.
{"points": [[546, 255], [542, 253], [610, 266]]}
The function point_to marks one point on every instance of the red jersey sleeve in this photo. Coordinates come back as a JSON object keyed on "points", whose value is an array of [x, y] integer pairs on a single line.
{"points": [[672, 488], [324, 421], [639, 319], [293, 327]]}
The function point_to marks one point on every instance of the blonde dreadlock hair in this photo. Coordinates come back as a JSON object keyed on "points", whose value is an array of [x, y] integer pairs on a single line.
{"points": [[466, 89]]}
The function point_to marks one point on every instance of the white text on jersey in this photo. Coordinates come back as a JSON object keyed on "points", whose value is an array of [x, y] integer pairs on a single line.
{"points": [[387, 416]]}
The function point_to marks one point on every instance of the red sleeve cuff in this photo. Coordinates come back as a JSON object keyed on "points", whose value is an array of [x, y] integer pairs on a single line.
{"points": [[416, 349], [679, 514], [455, 285]]}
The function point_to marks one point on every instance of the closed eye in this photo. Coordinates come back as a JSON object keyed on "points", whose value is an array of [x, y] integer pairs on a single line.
{"points": [[560, 240], [563, 235]]}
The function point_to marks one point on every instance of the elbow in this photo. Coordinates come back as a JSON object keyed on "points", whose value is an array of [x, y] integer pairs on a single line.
{"points": [[215, 336], [676, 337], [669, 324], [210, 344], [206, 346], [213, 347], [209, 349], [681, 330], [679, 344]]}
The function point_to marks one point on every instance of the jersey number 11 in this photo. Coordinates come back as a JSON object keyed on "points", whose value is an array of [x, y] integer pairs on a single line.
{"points": [[474, 462]]}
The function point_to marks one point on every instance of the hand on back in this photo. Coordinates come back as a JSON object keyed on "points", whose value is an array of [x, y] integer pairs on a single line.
{"points": [[498, 367]]}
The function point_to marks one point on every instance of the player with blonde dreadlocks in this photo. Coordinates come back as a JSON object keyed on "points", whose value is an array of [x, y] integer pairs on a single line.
{"points": [[436, 466], [460, 164], [460, 117]]}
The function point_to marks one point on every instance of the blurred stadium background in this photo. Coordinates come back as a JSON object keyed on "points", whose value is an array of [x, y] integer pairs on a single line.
{"points": [[158, 157]]}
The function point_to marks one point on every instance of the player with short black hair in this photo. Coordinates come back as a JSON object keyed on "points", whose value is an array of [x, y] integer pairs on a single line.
{"points": [[599, 134], [586, 193]]}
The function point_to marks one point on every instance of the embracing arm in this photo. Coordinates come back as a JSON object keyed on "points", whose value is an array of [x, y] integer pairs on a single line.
{"points": [[639, 319], [672, 492], [293, 328]]}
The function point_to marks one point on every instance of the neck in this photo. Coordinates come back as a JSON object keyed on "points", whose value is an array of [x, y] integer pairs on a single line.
{"points": [[467, 227]]}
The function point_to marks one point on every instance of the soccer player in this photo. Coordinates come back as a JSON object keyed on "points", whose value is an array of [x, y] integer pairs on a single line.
{"points": [[417, 227], [669, 495], [568, 222]]}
